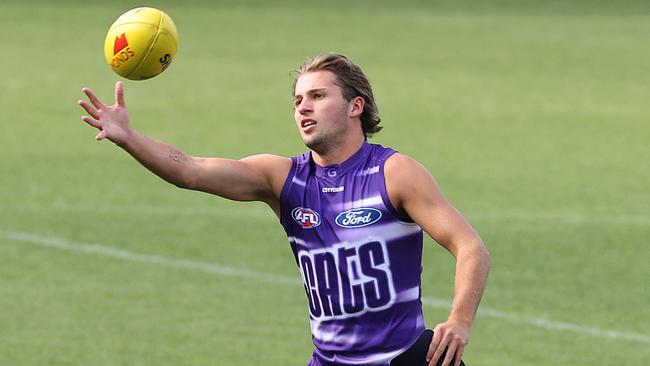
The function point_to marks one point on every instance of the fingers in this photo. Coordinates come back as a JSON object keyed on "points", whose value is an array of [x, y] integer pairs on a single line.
{"points": [[450, 352], [447, 345], [93, 98], [433, 346], [119, 94], [439, 350], [459, 355], [101, 135], [91, 122], [97, 105], [90, 109]]}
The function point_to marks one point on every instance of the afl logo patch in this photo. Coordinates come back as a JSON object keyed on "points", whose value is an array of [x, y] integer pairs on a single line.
{"points": [[306, 217], [358, 217]]}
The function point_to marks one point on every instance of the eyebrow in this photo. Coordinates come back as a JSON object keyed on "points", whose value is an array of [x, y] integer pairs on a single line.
{"points": [[311, 91]]}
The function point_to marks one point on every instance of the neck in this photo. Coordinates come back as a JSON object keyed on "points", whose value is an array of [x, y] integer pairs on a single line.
{"points": [[339, 154]]}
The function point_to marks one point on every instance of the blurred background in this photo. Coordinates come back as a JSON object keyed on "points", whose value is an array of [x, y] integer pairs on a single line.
{"points": [[533, 117]]}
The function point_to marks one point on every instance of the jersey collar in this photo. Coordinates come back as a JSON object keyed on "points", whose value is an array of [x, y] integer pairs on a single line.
{"points": [[334, 171]]}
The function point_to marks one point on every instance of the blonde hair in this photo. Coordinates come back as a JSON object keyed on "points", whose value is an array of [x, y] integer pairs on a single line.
{"points": [[353, 83]]}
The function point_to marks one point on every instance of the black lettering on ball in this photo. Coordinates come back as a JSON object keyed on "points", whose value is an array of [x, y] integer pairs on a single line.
{"points": [[165, 61]]}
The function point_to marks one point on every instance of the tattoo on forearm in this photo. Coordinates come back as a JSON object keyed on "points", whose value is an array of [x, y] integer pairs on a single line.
{"points": [[177, 155]]}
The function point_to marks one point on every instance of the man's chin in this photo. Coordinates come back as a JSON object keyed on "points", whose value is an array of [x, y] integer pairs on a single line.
{"points": [[317, 145]]}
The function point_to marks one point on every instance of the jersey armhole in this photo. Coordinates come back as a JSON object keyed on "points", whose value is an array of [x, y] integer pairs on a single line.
{"points": [[285, 190], [384, 193]]}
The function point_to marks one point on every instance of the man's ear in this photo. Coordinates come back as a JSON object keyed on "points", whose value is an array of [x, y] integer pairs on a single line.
{"points": [[356, 107]]}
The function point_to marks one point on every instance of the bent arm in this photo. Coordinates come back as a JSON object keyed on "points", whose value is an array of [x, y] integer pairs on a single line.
{"points": [[411, 188]]}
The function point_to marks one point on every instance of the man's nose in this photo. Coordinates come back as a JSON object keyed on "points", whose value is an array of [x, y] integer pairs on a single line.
{"points": [[305, 107]]}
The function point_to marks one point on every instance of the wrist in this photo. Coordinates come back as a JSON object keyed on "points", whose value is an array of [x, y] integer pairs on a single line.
{"points": [[125, 140], [465, 321]]}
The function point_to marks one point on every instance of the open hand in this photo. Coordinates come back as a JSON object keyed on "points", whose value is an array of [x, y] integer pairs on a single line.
{"points": [[112, 121]]}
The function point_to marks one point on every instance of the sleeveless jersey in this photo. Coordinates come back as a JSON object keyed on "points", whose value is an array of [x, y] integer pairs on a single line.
{"points": [[359, 258]]}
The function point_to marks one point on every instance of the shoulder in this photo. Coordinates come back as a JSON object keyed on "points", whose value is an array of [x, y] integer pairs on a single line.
{"points": [[406, 178], [272, 164], [263, 160], [275, 168], [400, 166]]}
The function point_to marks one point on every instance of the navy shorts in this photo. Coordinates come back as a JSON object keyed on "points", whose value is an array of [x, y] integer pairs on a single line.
{"points": [[417, 353]]}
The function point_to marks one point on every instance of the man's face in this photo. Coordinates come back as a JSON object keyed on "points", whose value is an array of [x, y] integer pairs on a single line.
{"points": [[320, 111]]}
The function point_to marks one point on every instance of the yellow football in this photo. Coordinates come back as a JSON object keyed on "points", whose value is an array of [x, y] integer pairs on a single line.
{"points": [[141, 43]]}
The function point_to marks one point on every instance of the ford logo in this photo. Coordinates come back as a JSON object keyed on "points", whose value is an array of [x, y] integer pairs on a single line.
{"points": [[358, 217]]}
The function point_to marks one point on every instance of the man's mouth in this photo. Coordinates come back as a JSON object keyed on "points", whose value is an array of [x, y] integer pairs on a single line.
{"points": [[306, 122]]}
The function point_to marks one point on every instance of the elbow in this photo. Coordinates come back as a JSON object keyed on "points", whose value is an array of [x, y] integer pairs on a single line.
{"points": [[479, 254], [485, 256]]}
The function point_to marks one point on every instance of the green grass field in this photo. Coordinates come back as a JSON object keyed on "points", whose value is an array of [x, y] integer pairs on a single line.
{"points": [[533, 118]]}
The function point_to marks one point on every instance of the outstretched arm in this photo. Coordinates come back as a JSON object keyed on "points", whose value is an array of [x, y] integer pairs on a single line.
{"points": [[412, 189], [256, 178]]}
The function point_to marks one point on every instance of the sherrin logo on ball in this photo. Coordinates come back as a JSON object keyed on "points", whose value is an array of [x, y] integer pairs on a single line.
{"points": [[141, 43]]}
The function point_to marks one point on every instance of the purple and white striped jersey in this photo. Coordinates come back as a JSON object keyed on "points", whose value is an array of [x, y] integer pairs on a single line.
{"points": [[359, 258]]}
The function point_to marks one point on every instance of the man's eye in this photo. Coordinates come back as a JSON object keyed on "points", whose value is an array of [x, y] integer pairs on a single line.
{"points": [[318, 96]]}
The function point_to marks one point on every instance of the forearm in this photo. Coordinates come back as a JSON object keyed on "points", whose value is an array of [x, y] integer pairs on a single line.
{"points": [[472, 268], [164, 160]]}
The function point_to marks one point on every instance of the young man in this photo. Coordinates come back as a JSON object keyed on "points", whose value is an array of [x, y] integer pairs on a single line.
{"points": [[353, 213]]}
